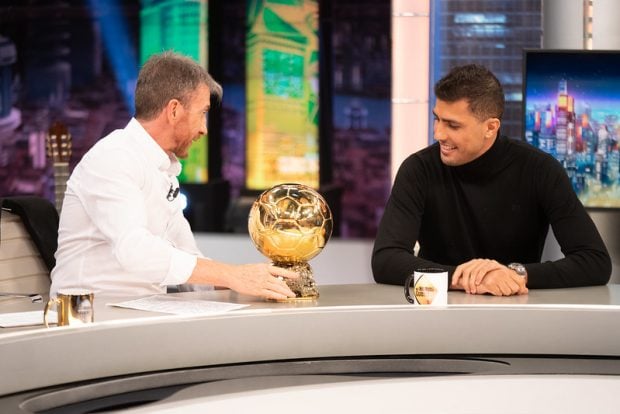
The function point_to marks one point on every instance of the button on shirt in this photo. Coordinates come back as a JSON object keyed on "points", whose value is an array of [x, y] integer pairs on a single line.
{"points": [[119, 234]]}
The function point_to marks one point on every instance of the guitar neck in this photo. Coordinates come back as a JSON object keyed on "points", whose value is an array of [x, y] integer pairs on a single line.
{"points": [[61, 175]]}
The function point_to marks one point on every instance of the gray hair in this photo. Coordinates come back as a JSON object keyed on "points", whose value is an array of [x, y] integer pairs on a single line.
{"points": [[167, 76]]}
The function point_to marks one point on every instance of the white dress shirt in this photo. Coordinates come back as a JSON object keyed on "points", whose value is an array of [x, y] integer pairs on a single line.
{"points": [[119, 232]]}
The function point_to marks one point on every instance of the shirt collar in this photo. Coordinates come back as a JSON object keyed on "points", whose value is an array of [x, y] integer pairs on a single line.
{"points": [[155, 153], [488, 164]]}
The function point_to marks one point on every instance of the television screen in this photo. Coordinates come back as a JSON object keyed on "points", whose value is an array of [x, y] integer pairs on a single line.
{"points": [[571, 107]]}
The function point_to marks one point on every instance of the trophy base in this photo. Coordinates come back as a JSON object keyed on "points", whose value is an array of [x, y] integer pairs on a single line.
{"points": [[296, 299], [304, 286]]}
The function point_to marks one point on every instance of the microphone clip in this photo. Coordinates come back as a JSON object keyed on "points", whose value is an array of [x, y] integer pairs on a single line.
{"points": [[172, 193]]}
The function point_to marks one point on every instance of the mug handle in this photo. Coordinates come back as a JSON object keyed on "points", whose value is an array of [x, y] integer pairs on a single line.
{"points": [[47, 308], [408, 281], [91, 300]]}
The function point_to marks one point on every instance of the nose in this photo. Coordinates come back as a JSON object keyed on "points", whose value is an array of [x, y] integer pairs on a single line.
{"points": [[438, 131], [204, 128]]}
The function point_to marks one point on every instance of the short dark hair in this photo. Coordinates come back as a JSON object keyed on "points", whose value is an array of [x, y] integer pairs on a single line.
{"points": [[478, 86], [167, 76]]}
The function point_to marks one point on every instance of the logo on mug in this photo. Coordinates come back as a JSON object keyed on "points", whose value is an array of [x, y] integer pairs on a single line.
{"points": [[427, 287], [424, 291]]}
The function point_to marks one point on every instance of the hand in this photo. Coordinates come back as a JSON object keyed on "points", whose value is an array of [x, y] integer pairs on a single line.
{"points": [[502, 282], [481, 276], [470, 274], [261, 279]]}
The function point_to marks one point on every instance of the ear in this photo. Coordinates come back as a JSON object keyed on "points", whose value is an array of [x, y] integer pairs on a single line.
{"points": [[173, 111], [492, 127]]}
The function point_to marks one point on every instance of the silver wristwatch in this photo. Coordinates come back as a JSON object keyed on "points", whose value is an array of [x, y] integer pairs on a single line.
{"points": [[518, 268]]}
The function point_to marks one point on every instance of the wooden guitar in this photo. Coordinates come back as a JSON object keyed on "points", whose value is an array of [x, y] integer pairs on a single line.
{"points": [[59, 150]]}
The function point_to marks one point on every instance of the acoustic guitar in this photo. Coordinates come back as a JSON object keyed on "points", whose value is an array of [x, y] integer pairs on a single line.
{"points": [[59, 150]]}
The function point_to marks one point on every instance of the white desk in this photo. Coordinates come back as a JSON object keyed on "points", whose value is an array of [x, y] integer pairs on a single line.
{"points": [[347, 321]]}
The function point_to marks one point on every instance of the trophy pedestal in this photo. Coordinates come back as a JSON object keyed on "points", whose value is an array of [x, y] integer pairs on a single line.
{"points": [[304, 287]]}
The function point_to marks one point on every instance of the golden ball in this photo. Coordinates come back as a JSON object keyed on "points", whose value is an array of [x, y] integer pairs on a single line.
{"points": [[290, 223]]}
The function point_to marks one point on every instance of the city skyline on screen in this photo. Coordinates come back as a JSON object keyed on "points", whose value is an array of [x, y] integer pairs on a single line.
{"points": [[572, 111]]}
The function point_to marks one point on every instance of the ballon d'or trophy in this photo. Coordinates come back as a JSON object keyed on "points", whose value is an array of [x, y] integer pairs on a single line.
{"points": [[290, 224]]}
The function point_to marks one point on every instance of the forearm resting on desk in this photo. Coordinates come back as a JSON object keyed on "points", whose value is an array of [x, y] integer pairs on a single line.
{"points": [[258, 279]]}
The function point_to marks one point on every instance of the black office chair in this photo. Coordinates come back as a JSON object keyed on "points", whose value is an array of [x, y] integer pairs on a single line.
{"points": [[28, 241]]}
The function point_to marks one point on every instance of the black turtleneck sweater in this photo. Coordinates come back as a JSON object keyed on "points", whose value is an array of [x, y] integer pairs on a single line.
{"points": [[499, 207]]}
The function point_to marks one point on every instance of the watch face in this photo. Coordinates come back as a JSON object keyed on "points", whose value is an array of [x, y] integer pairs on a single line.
{"points": [[518, 267]]}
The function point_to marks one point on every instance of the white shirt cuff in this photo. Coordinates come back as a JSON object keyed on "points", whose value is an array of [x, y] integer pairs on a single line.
{"points": [[181, 267]]}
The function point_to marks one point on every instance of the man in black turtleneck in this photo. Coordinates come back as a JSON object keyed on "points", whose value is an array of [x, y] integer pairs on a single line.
{"points": [[480, 204]]}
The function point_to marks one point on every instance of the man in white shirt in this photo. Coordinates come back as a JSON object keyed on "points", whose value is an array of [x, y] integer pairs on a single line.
{"points": [[122, 230]]}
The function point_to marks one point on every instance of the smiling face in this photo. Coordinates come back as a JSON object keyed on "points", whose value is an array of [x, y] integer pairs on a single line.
{"points": [[191, 121], [462, 137]]}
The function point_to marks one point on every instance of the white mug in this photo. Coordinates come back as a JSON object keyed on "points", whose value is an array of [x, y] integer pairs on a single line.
{"points": [[430, 287]]}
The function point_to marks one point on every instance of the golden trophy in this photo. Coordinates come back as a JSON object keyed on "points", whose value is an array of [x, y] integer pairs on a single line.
{"points": [[290, 224]]}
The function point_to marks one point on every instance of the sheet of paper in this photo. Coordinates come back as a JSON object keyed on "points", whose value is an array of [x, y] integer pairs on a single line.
{"points": [[178, 306], [32, 318]]}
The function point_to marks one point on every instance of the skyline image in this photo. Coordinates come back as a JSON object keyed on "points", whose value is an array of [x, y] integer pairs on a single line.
{"points": [[572, 111]]}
